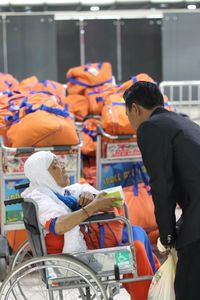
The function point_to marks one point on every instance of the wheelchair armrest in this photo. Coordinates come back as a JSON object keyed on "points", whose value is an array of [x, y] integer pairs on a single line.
{"points": [[22, 186], [13, 201], [100, 217]]}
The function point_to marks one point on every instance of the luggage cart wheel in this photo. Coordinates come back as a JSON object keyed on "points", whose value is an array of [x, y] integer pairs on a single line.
{"points": [[3, 268]]}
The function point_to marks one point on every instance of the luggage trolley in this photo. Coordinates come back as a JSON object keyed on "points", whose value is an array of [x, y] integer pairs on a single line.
{"points": [[11, 169], [118, 161]]}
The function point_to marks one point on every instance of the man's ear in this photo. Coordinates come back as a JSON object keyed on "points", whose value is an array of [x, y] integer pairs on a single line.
{"points": [[138, 109], [135, 108]]}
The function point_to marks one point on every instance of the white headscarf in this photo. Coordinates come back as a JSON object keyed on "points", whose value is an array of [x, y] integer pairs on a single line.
{"points": [[36, 170]]}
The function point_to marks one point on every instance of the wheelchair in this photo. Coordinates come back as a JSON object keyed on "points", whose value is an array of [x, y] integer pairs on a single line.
{"points": [[94, 274]]}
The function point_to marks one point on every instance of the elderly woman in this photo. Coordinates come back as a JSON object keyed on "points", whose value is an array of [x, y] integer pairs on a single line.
{"points": [[61, 213]]}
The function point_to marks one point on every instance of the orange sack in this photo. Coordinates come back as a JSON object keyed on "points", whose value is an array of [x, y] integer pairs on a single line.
{"points": [[16, 238], [166, 103], [51, 88], [27, 84], [96, 97], [4, 113], [127, 84], [8, 83], [141, 208], [89, 137], [114, 118], [112, 233], [88, 76], [42, 128], [78, 105]]}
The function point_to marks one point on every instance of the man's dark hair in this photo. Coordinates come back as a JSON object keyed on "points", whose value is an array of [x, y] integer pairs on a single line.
{"points": [[144, 93]]}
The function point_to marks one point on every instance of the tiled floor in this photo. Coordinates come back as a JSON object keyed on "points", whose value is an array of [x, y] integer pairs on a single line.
{"points": [[34, 291], [123, 295]]}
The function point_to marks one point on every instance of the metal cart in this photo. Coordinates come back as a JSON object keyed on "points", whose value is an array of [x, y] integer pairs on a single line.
{"points": [[118, 161]]}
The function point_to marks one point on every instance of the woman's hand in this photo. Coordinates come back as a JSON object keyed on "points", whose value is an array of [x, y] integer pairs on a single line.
{"points": [[85, 198], [105, 203]]}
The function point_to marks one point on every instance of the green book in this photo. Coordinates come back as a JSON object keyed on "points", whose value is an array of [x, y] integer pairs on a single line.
{"points": [[117, 192]]}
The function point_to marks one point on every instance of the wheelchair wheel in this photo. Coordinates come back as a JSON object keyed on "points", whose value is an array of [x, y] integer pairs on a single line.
{"points": [[54, 277], [22, 254], [3, 268]]}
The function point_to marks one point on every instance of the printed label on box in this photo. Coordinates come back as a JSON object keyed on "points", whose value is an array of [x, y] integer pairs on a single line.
{"points": [[15, 165], [123, 150]]}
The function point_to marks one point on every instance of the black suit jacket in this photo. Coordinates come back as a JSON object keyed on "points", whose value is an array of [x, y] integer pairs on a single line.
{"points": [[170, 147]]}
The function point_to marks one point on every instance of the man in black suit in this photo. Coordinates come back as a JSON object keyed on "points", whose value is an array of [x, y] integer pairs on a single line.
{"points": [[170, 147]]}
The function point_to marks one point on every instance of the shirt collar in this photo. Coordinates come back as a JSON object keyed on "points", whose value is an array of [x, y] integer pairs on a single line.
{"points": [[158, 110]]}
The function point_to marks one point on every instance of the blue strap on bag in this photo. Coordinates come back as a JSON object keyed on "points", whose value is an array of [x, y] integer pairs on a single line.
{"points": [[102, 235], [135, 180], [78, 82], [29, 109], [91, 133]]}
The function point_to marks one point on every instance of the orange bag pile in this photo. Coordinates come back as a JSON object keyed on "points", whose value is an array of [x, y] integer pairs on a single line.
{"points": [[89, 137], [114, 119], [8, 102], [96, 98], [84, 84], [8, 83], [166, 104], [89, 170], [51, 87], [88, 76], [27, 84], [140, 77], [78, 105], [36, 120]]}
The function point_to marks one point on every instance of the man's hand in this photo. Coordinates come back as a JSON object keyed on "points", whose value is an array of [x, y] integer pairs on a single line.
{"points": [[163, 249]]}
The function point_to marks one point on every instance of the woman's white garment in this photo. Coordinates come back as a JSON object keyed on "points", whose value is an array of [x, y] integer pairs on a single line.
{"points": [[41, 190], [76, 189]]}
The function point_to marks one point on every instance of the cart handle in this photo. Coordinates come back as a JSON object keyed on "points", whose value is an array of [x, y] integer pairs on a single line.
{"points": [[24, 150], [97, 117], [100, 131]]}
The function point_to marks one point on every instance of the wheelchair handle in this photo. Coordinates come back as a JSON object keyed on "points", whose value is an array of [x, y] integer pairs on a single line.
{"points": [[22, 186], [13, 201], [29, 150]]}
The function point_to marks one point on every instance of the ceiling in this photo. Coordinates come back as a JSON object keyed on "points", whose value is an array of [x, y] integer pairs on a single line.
{"points": [[95, 5]]}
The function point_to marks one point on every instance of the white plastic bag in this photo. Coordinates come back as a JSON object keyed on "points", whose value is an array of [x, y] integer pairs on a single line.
{"points": [[162, 285]]}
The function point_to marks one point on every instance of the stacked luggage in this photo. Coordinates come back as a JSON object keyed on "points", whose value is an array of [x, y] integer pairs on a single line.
{"points": [[91, 91], [33, 113], [37, 113]]}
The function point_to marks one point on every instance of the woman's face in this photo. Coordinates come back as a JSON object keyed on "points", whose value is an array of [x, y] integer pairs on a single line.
{"points": [[59, 173]]}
